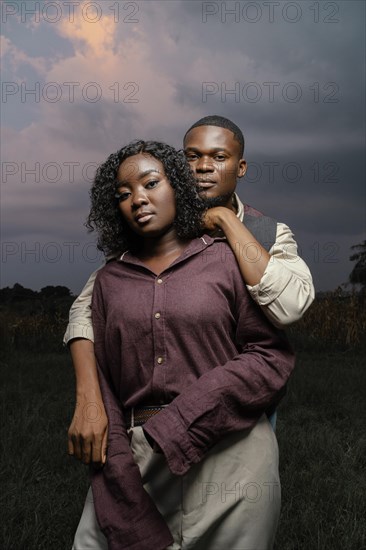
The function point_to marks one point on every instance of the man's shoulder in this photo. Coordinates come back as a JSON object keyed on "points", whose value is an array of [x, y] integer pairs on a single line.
{"points": [[251, 211], [263, 228], [247, 212]]}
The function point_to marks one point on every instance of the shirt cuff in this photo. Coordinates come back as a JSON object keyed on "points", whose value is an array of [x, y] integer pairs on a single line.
{"points": [[273, 282], [172, 438], [78, 330]]}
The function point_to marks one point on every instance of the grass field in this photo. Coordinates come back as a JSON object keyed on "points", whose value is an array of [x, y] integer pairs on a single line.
{"points": [[321, 433]]}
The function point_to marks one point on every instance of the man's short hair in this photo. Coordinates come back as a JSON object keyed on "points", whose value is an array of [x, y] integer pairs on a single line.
{"points": [[221, 122]]}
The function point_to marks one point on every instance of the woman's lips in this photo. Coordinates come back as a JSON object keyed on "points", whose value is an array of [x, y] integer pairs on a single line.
{"points": [[144, 218]]}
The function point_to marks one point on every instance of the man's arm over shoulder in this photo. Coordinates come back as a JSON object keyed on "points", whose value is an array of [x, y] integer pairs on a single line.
{"points": [[286, 288]]}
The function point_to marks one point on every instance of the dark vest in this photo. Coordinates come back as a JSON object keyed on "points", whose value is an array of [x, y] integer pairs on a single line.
{"points": [[264, 229]]}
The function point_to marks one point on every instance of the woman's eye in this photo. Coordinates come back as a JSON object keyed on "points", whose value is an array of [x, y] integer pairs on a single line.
{"points": [[121, 196], [151, 184]]}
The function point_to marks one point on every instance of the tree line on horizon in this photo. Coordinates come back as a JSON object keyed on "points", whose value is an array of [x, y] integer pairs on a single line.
{"points": [[19, 293]]}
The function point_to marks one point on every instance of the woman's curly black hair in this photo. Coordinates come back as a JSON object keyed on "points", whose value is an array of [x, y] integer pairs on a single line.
{"points": [[114, 235]]}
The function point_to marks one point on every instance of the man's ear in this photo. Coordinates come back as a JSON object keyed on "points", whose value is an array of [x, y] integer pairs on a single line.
{"points": [[242, 168]]}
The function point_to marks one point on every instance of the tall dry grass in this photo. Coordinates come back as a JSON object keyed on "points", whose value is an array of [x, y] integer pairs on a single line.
{"points": [[336, 319], [38, 332]]}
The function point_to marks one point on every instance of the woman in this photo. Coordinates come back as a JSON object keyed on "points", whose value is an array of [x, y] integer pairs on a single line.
{"points": [[187, 365]]}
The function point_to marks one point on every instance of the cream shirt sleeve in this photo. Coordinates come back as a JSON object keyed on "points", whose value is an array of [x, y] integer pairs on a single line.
{"points": [[286, 289], [80, 321]]}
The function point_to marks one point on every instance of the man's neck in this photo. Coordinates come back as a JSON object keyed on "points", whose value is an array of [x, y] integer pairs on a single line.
{"points": [[234, 204], [226, 201]]}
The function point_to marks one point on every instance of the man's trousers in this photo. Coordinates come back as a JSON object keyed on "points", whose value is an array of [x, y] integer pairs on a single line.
{"points": [[229, 501]]}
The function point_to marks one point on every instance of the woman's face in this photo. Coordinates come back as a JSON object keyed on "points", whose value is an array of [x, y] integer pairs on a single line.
{"points": [[146, 198]]}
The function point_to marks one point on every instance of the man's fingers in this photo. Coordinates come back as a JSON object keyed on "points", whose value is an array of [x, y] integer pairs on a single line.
{"points": [[97, 451], [104, 446], [80, 448], [86, 452], [77, 446], [70, 446]]}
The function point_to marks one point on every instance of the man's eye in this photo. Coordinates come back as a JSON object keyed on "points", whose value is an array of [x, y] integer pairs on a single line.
{"points": [[151, 184], [191, 157], [220, 157], [121, 196]]}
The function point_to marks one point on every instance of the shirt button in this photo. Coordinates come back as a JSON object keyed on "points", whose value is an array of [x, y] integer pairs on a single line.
{"points": [[159, 281], [160, 360], [157, 315]]}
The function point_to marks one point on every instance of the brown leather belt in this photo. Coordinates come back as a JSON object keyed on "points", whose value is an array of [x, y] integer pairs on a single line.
{"points": [[137, 416]]}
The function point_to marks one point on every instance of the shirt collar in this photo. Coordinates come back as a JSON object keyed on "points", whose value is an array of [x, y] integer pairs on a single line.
{"points": [[194, 247], [239, 207]]}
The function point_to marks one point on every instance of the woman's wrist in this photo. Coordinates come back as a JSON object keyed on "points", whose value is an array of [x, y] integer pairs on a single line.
{"points": [[225, 218]]}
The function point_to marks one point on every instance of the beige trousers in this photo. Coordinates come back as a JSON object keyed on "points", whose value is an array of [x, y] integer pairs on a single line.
{"points": [[230, 501]]}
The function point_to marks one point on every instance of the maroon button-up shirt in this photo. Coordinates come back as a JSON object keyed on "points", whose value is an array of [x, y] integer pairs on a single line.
{"points": [[191, 337]]}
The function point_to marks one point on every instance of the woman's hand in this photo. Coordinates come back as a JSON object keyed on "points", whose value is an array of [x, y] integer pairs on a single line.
{"points": [[87, 435], [213, 218]]}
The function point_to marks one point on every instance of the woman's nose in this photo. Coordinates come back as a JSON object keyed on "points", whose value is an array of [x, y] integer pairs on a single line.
{"points": [[139, 198]]}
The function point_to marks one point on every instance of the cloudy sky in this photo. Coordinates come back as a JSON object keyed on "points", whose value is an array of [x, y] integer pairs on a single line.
{"points": [[81, 79]]}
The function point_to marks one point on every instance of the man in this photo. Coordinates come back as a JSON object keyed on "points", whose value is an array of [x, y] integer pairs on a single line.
{"points": [[277, 278]]}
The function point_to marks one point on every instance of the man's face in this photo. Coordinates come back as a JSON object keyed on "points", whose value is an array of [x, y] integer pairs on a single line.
{"points": [[214, 156]]}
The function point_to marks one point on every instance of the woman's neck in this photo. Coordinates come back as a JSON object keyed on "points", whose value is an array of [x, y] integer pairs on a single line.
{"points": [[166, 245], [159, 253]]}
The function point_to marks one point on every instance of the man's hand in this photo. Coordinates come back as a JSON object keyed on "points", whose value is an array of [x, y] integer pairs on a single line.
{"points": [[87, 435]]}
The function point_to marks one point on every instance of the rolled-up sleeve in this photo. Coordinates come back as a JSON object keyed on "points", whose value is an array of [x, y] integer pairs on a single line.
{"points": [[80, 317], [286, 288]]}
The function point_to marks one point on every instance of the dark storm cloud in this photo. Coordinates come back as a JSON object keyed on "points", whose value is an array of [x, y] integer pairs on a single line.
{"points": [[321, 134], [93, 127]]}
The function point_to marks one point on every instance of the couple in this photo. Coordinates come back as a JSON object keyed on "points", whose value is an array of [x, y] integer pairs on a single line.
{"points": [[188, 364]]}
